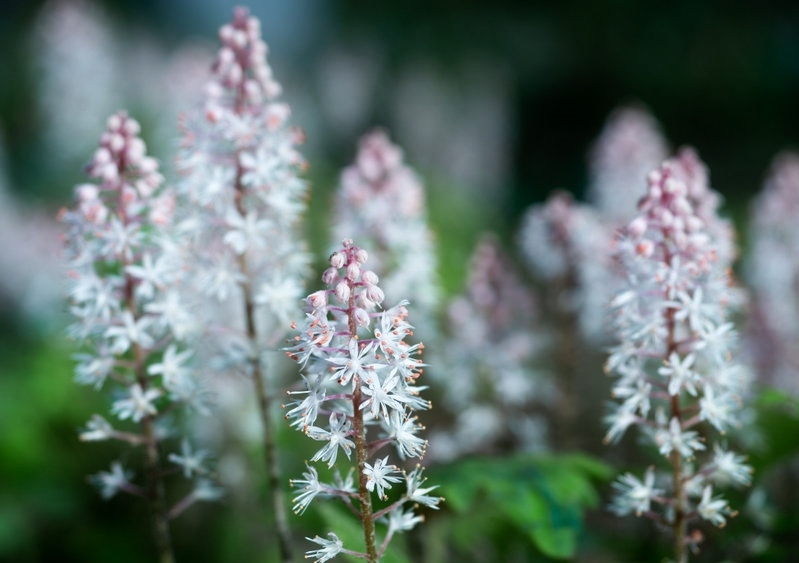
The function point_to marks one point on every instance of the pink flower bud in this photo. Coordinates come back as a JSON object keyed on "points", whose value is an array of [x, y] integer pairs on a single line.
{"points": [[375, 294], [353, 271], [343, 291], [330, 276], [131, 127], [361, 317], [338, 260], [369, 277], [317, 300]]}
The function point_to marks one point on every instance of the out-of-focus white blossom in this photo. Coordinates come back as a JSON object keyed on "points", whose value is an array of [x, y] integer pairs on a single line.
{"points": [[674, 364], [119, 271], [490, 363], [772, 269]]}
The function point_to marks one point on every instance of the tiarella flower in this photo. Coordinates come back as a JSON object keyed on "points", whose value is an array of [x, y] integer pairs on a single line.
{"points": [[381, 202], [240, 203], [633, 495], [120, 267], [359, 368], [111, 482], [493, 369], [190, 460], [771, 270], [676, 345], [330, 548]]}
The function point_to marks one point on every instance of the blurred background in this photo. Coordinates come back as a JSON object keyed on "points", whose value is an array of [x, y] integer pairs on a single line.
{"points": [[496, 105]]}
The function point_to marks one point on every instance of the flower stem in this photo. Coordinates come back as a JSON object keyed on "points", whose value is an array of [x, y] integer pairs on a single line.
{"points": [[364, 497], [680, 523], [264, 404]]}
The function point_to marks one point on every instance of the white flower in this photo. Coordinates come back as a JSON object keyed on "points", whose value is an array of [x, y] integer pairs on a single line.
{"points": [[354, 364], [246, 232], [309, 486], [401, 521], [634, 495], [337, 436], [97, 429], [379, 476], [281, 296], [131, 331], [207, 490], [415, 493], [138, 405], [330, 548], [680, 374], [190, 460], [110, 482], [712, 509], [685, 442], [729, 468], [171, 367]]}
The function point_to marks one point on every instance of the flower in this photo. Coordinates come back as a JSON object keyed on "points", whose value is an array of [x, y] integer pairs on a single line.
{"points": [[330, 548], [190, 460], [138, 405], [379, 476], [674, 366], [634, 495], [358, 367], [111, 482], [712, 509]]}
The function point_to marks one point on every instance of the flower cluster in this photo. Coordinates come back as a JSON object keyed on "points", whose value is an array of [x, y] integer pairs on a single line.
{"points": [[359, 396], [676, 378], [381, 202], [133, 333], [241, 193], [772, 272], [566, 245], [496, 387], [242, 202]]}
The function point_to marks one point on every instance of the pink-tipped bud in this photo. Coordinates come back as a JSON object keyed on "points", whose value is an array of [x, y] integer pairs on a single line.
{"points": [[375, 294], [131, 127], [317, 300], [361, 317], [135, 151], [343, 291], [330, 276], [116, 142], [353, 272], [114, 122], [369, 277], [338, 260], [361, 256]]}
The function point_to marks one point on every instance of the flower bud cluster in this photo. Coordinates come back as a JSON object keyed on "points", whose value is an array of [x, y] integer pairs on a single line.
{"points": [[380, 201], [675, 374], [359, 396], [496, 387], [772, 269], [128, 320]]}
